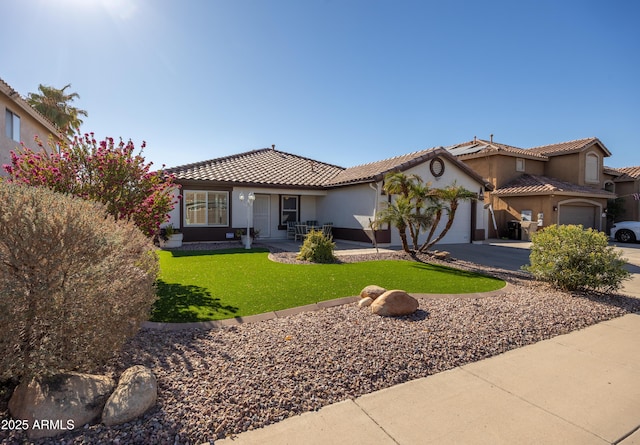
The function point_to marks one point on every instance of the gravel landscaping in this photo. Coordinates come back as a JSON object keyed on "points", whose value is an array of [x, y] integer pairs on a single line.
{"points": [[216, 383]]}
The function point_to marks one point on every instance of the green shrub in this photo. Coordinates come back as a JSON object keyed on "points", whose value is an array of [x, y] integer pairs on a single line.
{"points": [[74, 284], [572, 258], [317, 247]]}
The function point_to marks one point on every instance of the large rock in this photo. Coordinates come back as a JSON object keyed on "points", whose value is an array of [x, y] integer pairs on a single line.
{"points": [[372, 292], [394, 303], [442, 255], [365, 302], [58, 403], [137, 391]]}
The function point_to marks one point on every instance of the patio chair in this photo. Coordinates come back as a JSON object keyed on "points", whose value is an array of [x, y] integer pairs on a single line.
{"points": [[301, 231], [312, 223], [326, 230], [291, 230]]}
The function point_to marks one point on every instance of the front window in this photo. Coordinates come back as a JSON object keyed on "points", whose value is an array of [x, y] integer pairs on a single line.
{"points": [[12, 126], [290, 209], [592, 167], [204, 208]]}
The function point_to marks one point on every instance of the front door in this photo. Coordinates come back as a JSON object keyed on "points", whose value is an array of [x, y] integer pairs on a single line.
{"points": [[262, 215]]}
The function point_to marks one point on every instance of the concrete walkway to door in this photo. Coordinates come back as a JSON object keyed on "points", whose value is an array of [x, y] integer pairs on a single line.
{"points": [[342, 247]]}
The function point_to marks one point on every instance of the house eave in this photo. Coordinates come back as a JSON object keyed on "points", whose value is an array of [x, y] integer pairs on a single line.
{"points": [[232, 184], [606, 195], [484, 154], [24, 106]]}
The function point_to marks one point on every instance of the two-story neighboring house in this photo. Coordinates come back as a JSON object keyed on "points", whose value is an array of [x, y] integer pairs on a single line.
{"points": [[19, 122], [553, 184], [626, 181]]}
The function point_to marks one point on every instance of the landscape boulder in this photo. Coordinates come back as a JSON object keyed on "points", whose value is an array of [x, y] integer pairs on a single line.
{"points": [[137, 391], [394, 303], [442, 255], [55, 404], [365, 302], [372, 292]]}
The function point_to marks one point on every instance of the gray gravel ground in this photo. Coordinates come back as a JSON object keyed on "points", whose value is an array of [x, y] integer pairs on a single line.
{"points": [[221, 382]]}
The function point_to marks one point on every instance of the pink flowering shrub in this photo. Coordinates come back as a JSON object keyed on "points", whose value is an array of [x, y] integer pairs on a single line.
{"points": [[107, 172]]}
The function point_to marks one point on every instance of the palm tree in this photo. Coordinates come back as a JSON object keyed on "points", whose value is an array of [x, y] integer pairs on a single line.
{"points": [[398, 183], [396, 214], [451, 196], [421, 195], [54, 104], [406, 186], [436, 208]]}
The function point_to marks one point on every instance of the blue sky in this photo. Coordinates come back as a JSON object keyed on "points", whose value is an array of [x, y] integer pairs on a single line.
{"points": [[341, 81]]}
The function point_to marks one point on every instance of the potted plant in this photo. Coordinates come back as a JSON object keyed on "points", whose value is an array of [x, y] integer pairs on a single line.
{"points": [[170, 237], [241, 235]]}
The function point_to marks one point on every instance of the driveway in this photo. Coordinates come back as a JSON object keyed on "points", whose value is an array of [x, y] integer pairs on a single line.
{"points": [[513, 255], [509, 256]]}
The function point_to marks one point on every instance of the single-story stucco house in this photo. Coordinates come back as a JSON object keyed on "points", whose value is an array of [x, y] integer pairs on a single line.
{"points": [[288, 187]]}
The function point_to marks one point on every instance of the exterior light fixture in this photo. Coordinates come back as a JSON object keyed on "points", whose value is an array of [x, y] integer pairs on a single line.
{"points": [[249, 203]]}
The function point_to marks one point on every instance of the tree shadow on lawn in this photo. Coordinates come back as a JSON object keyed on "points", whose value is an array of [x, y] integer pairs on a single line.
{"points": [[175, 303]]}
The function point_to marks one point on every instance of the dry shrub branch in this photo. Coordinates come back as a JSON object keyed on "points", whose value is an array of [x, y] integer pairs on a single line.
{"points": [[74, 285]]}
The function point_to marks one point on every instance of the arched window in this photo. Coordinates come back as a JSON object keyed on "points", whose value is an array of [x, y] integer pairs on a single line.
{"points": [[592, 168], [610, 186]]}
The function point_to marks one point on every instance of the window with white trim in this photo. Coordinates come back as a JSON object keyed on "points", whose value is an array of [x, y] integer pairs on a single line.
{"points": [[290, 209], [592, 168], [206, 208], [12, 125], [519, 164]]}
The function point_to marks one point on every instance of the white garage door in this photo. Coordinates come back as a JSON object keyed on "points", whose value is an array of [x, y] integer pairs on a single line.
{"points": [[572, 214]]}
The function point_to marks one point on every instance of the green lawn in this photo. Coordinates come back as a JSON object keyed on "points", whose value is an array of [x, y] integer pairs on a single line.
{"points": [[218, 284]]}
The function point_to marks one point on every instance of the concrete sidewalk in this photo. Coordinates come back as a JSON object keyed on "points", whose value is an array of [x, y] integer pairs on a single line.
{"points": [[579, 388]]}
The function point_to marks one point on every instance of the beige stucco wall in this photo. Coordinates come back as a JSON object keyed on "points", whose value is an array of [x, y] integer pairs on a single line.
{"points": [[571, 168], [343, 205], [500, 170], [29, 129], [567, 168]]}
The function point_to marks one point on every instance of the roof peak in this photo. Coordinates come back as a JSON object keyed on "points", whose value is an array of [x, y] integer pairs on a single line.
{"points": [[592, 138], [245, 154], [405, 155]]}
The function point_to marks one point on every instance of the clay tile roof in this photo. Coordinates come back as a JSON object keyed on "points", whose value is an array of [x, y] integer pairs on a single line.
{"points": [[482, 147], [543, 185], [266, 166], [373, 170], [611, 171], [633, 172], [568, 147]]}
